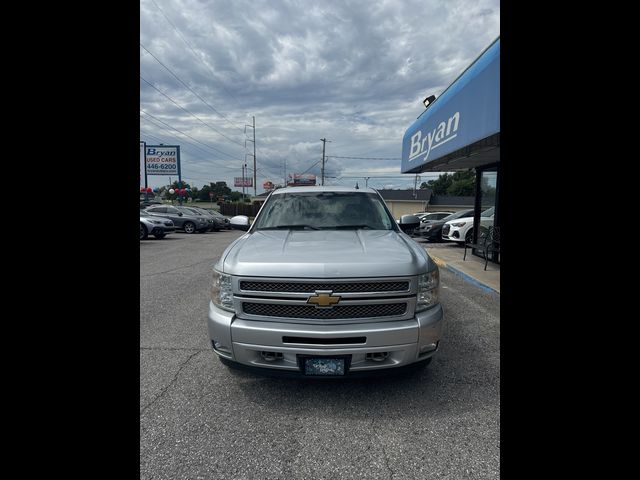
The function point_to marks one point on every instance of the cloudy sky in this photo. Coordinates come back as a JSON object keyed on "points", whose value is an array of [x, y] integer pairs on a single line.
{"points": [[353, 72]]}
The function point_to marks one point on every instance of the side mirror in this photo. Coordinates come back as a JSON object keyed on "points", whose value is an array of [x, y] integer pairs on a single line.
{"points": [[240, 222], [180, 214], [408, 223]]}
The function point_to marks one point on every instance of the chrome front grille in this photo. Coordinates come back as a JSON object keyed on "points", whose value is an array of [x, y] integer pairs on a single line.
{"points": [[354, 300], [336, 312], [303, 287]]}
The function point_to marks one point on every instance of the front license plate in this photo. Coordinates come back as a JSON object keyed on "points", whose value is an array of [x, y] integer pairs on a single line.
{"points": [[324, 366]]}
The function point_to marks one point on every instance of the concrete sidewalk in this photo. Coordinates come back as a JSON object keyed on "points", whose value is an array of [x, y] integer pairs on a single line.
{"points": [[449, 256]]}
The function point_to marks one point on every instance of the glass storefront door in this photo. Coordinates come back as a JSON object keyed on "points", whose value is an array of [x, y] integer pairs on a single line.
{"points": [[488, 201]]}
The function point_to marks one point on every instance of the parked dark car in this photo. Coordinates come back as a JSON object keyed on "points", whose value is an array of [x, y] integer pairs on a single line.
{"points": [[219, 221], [432, 231], [222, 218], [426, 218], [183, 218]]}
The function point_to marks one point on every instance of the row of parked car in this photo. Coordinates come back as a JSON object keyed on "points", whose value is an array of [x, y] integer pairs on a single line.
{"points": [[160, 219], [448, 226]]}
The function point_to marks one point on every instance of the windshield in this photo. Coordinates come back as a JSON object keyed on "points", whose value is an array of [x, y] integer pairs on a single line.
{"points": [[325, 210], [462, 213], [188, 211]]}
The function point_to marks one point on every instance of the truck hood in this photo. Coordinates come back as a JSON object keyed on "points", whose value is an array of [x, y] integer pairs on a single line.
{"points": [[325, 254]]}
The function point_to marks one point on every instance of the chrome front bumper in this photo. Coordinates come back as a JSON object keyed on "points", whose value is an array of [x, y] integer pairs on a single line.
{"points": [[403, 342]]}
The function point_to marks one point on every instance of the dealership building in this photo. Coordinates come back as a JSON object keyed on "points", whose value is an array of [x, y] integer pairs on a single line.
{"points": [[460, 130]]}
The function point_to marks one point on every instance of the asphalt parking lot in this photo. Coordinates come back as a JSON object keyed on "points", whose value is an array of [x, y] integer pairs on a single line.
{"points": [[200, 420]]}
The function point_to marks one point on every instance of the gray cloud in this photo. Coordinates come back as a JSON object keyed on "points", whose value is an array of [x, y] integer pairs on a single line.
{"points": [[354, 72]]}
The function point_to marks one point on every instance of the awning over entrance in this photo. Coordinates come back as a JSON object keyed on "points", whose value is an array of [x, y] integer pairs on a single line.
{"points": [[461, 128]]}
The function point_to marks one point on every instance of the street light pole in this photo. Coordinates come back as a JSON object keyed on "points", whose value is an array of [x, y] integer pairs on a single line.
{"points": [[255, 180]]}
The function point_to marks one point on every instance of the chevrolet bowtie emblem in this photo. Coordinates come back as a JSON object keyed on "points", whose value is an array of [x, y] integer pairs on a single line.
{"points": [[323, 299]]}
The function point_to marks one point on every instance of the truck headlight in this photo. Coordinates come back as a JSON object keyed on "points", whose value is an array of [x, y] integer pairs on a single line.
{"points": [[221, 294], [428, 287]]}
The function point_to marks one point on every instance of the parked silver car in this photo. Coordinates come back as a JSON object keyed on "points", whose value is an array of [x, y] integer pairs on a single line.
{"points": [[154, 225]]}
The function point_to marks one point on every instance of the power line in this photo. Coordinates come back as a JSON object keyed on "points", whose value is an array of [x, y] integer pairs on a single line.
{"points": [[180, 139], [160, 140], [206, 158], [187, 135], [190, 89], [311, 167], [192, 114], [365, 158], [150, 135], [372, 176], [194, 52]]}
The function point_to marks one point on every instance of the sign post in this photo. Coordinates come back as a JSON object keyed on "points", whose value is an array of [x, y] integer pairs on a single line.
{"points": [[143, 164]]}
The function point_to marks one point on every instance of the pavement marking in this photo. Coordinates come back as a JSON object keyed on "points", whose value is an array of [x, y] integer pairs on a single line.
{"points": [[465, 276]]}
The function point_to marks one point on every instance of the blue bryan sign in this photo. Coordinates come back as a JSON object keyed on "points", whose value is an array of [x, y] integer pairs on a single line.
{"points": [[468, 111]]}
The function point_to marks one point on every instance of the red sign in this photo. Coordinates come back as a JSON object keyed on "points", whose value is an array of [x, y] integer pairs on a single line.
{"points": [[210, 194], [268, 186], [238, 182]]}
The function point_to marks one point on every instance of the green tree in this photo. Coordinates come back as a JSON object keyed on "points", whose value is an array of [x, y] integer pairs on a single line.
{"points": [[440, 185], [459, 184], [219, 189]]}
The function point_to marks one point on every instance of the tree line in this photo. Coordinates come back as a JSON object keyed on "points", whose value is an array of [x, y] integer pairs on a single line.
{"points": [[219, 190], [459, 184]]}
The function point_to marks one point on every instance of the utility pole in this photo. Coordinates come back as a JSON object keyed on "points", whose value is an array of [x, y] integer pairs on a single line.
{"points": [[284, 172], [415, 184], [255, 193], [324, 142], [243, 167]]}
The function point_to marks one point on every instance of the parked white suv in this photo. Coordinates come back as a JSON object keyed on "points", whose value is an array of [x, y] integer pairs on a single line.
{"points": [[461, 229]]}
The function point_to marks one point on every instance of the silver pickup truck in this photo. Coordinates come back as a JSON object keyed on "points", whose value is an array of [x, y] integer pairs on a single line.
{"points": [[326, 283]]}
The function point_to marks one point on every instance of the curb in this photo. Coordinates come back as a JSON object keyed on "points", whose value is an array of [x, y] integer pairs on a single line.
{"points": [[465, 276]]}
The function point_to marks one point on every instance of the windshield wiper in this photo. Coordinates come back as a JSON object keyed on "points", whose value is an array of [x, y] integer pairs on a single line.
{"points": [[353, 226], [288, 227]]}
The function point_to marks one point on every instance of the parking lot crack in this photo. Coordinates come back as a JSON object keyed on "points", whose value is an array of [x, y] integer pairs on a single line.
{"points": [[173, 380], [175, 349], [174, 269], [384, 450]]}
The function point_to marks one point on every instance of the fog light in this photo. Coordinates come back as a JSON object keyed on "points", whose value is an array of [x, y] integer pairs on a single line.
{"points": [[271, 356], [428, 347], [377, 356]]}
